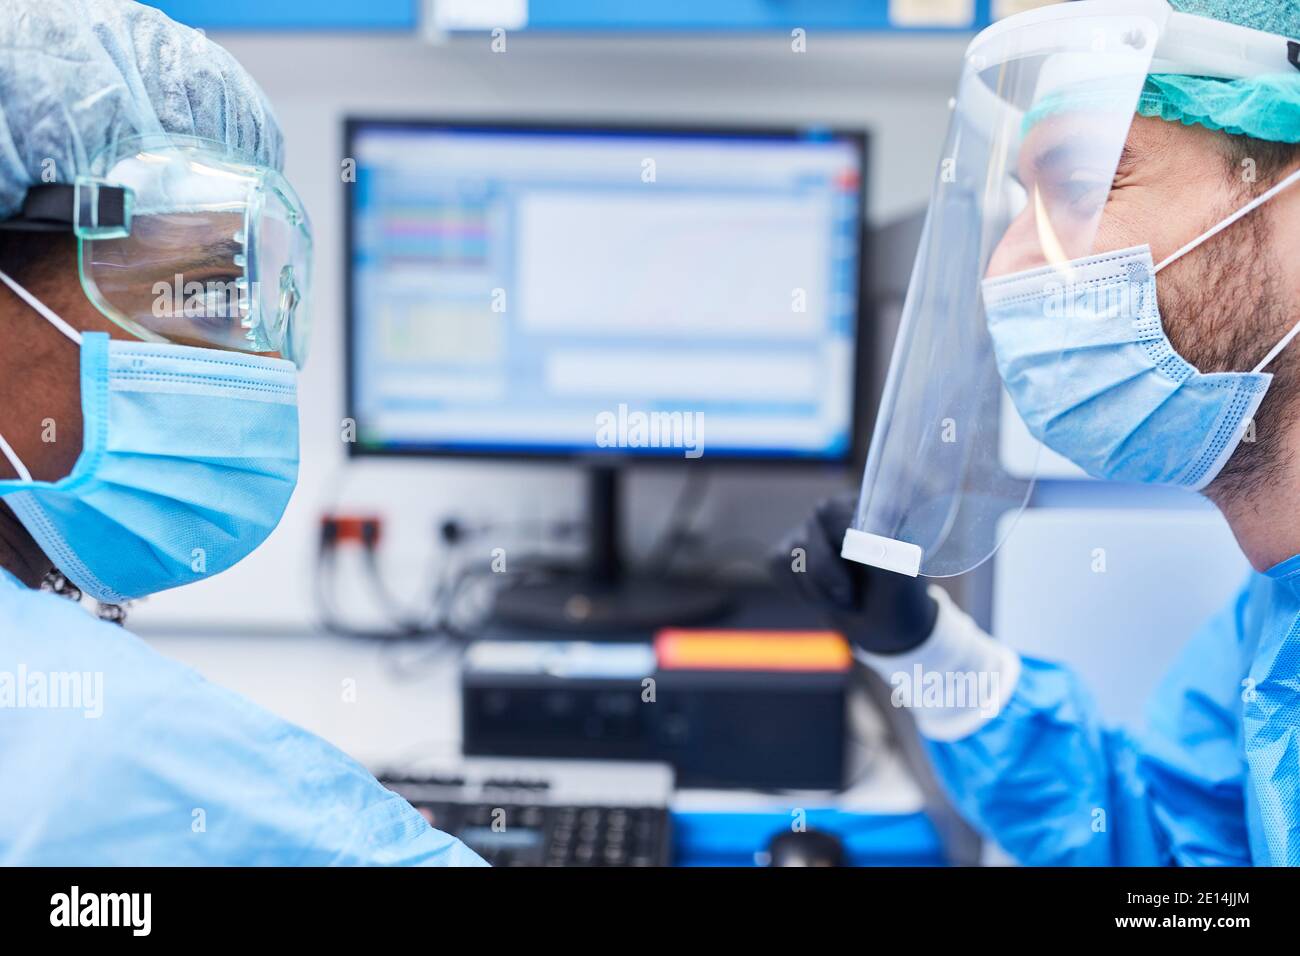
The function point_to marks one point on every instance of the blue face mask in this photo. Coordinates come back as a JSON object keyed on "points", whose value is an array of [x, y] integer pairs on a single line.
{"points": [[189, 458], [1085, 359]]}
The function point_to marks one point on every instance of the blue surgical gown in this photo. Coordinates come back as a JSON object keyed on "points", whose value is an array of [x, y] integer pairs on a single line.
{"points": [[1214, 779], [164, 768]]}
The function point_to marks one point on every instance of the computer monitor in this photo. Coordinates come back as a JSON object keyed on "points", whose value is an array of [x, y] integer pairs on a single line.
{"points": [[605, 293]]}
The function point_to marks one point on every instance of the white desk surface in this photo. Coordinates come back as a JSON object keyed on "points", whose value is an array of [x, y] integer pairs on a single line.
{"points": [[388, 705]]}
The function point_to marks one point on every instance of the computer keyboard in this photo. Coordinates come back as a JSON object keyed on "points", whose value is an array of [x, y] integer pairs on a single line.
{"points": [[547, 812]]}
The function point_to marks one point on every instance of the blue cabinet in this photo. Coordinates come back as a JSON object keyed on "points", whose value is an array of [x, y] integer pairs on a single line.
{"points": [[729, 15], [293, 14], [583, 16]]}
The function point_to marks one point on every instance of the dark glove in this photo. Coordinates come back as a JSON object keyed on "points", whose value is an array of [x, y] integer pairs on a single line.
{"points": [[878, 611]]}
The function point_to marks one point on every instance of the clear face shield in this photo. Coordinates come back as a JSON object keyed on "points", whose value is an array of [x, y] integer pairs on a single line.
{"points": [[1038, 127], [178, 241]]}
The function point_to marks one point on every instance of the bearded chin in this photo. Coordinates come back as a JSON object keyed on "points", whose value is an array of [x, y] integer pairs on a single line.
{"points": [[1223, 308]]}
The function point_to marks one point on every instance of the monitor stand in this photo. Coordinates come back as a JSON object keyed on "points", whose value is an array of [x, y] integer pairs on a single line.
{"points": [[603, 597]]}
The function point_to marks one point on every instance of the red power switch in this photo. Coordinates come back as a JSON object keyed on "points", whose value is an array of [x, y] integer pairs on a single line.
{"points": [[364, 530]]}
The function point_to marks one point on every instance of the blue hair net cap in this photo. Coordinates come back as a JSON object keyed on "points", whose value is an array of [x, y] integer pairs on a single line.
{"points": [[1265, 107], [79, 76]]}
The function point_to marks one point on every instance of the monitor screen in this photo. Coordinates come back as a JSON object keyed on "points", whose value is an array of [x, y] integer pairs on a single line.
{"points": [[584, 291]]}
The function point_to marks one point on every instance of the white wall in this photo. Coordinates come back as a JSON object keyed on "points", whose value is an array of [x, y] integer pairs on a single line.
{"points": [[897, 87], [1118, 624]]}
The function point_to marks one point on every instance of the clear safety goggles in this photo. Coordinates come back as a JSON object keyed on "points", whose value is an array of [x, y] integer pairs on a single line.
{"points": [[179, 241], [1038, 126]]}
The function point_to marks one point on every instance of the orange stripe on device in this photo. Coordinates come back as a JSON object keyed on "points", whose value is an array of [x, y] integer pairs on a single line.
{"points": [[682, 649]]}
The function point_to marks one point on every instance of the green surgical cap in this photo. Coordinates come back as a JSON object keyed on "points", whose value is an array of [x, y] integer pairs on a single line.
{"points": [[1265, 107]]}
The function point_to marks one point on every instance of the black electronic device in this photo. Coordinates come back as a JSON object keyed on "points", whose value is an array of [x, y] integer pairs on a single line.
{"points": [[806, 848], [751, 729]]}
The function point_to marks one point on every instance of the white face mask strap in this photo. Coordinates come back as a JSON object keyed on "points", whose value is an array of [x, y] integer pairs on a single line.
{"points": [[1275, 350], [1249, 207], [8, 452], [46, 313], [1254, 204], [5, 448]]}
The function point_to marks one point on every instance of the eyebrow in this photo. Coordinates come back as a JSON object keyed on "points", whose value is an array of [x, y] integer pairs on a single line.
{"points": [[1051, 158], [216, 256], [1059, 153]]}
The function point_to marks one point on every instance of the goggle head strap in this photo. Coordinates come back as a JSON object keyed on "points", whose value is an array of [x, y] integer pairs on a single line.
{"points": [[91, 209]]}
